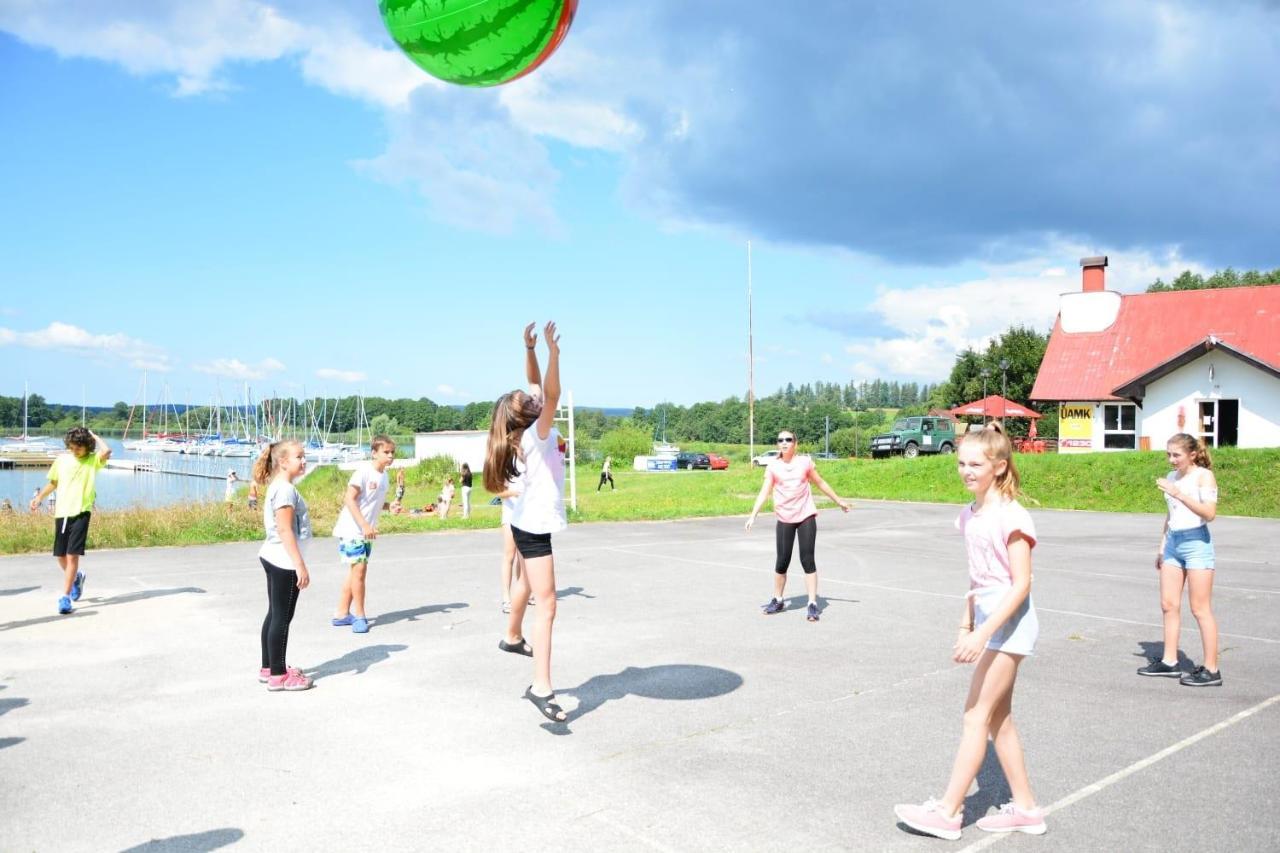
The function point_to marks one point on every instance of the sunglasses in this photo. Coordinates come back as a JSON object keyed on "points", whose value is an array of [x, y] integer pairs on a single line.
{"points": [[786, 439]]}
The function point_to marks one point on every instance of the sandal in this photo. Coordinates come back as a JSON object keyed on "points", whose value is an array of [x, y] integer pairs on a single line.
{"points": [[547, 705], [520, 648]]}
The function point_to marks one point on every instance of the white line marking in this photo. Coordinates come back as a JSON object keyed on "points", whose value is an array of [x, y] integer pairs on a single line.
{"points": [[625, 549], [1149, 578], [1090, 790]]}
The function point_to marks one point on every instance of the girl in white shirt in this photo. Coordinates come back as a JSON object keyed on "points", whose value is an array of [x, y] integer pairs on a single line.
{"points": [[524, 444], [1186, 559]]}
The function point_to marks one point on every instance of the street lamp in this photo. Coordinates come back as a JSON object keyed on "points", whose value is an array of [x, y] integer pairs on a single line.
{"points": [[985, 374], [1004, 390]]}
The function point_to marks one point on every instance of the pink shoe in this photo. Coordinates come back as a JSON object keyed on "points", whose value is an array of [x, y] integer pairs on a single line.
{"points": [[289, 681], [1010, 818], [929, 819], [265, 673]]}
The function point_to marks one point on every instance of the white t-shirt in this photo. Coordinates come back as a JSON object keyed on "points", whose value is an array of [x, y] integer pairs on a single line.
{"points": [[281, 493], [540, 506], [373, 491], [1180, 515]]}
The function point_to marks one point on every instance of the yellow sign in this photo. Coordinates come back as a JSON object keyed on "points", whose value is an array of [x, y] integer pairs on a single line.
{"points": [[1075, 427]]}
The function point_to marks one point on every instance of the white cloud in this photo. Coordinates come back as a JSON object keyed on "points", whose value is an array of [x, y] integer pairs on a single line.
{"points": [[340, 375], [68, 338], [937, 322], [446, 390], [234, 368]]}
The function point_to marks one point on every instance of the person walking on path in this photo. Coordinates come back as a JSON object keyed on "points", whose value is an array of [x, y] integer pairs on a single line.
{"points": [[998, 628], [1186, 558], [524, 443], [287, 526], [357, 527], [606, 474], [466, 490], [789, 477], [74, 477]]}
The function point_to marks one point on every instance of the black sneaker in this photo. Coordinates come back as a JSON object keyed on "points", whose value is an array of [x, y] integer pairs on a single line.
{"points": [[811, 612], [1202, 678], [1159, 668]]}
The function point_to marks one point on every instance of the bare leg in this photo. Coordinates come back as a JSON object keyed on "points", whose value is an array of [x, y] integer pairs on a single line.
{"points": [[355, 580], [519, 601], [540, 576], [779, 584], [508, 562], [70, 564], [811, 585], [1171, 580], [1009, 750], [1200, 591], [992, 680]]}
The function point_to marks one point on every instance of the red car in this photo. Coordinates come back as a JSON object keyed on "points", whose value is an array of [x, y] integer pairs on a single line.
{"points": [[718, 462]]}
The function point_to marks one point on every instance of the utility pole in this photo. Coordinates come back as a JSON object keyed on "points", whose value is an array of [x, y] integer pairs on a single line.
{"points": [[751, 363]]}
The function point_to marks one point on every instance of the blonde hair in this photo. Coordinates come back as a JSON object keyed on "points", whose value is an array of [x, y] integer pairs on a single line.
{"points": [[380, 441], [1193, 447], [265, 467], [512, 414], [996, 446]]}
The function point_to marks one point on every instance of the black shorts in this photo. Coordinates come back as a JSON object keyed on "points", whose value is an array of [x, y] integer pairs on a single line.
{"points": [[531, 545], [70, 534]]}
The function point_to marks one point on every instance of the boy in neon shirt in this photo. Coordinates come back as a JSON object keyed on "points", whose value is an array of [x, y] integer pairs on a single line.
{"points": [[74, 476]]}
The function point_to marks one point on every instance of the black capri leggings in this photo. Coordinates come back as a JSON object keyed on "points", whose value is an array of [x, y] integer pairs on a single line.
{"points": [[282, 598], [786, 536]]}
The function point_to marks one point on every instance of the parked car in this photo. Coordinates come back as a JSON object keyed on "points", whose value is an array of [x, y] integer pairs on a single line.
{"points": [[913, 436], [764, 458], [825, 455], [690, 460], [718, 462]]}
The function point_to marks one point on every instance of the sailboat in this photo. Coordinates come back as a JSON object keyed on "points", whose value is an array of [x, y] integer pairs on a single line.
{"points": [[25, 444], [663, 448]]}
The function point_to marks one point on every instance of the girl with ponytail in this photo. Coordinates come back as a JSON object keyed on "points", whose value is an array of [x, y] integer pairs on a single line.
{"points": [[525, 463], [1186, 558]]}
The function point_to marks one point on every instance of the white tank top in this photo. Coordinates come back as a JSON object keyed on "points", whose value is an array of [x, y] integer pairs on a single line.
{"points": [[1180, 515], [540, 506]]}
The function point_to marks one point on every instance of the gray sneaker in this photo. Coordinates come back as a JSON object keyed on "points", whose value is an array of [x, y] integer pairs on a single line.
{"points": [[811, 612], [775, 605], [1202, 678], [1160, 669]]}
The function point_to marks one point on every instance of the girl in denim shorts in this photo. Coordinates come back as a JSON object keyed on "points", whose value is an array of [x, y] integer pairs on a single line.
{"points": [[1185, 558]]}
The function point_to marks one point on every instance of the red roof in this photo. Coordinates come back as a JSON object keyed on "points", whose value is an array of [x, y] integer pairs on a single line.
{"points": [[1152, 329], [994, 406]]}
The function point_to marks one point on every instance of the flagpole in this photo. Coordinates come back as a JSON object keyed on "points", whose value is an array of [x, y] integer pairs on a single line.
{"points": [[751, 386]]}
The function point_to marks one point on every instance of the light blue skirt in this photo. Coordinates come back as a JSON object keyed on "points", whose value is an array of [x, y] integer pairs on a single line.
{"points": [[1018, 635]]}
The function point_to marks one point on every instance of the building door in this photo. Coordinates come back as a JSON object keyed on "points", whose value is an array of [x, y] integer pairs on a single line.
{"points": [[1220, 422]]}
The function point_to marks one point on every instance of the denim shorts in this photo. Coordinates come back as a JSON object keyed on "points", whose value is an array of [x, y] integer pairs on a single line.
{"points": [[1018, 635], [1189, 549], [354, 551]]}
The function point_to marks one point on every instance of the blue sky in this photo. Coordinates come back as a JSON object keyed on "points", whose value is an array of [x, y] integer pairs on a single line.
{"points": [[269, 193]]}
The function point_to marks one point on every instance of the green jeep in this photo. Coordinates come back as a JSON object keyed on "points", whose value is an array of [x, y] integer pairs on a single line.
{"points": [[913, 436]]}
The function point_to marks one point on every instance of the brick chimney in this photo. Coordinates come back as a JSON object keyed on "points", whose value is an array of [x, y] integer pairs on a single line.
{"points": [[1095, 273]]}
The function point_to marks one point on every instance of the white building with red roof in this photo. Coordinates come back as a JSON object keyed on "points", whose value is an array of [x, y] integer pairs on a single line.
{"points": [[1131, 370]]}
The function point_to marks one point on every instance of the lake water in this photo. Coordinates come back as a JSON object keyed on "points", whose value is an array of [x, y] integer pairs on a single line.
{"points": [[117, 489]]}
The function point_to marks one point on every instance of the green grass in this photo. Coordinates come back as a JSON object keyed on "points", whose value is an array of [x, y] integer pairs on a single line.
{"points": [[1249, 481]]}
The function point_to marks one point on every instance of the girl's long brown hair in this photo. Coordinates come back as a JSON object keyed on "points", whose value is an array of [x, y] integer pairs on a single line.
{"points": [[996, 446], [265, 466], [1193, 447], [512, 415]]}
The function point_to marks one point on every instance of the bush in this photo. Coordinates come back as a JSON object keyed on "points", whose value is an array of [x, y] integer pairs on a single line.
{"points": [[624, 444]]}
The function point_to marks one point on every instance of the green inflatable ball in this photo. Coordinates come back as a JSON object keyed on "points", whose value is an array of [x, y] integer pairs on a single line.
{"points": [[478, 42]]}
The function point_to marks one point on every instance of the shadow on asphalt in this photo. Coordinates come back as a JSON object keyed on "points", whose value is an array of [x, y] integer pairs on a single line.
{"points": [[40, 620], [86, 606], [1155, 651], [10, 741], [196, 843], [678, 681], [384, 619], [993, 789], [354, 662], [571, 590], [7, 705], [19, 591]]}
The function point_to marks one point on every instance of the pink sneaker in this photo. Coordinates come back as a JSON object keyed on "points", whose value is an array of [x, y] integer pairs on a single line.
{"points": [[288, 681], [929, 819], [265, 673], [1010, 818]]}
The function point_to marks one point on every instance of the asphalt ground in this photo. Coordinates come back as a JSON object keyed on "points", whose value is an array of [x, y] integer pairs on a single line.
{"points": [[696, 722]]}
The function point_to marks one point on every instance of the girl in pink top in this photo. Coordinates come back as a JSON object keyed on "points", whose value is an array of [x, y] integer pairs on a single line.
{"points": [[998, 629], [789, 477]]}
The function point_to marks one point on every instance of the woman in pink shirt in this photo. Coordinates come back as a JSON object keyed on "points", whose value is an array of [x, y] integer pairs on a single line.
{"points": [[788, 477]]}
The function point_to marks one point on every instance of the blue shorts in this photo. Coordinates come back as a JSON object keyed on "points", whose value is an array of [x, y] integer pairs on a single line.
{"points": [[1018, 635], [355, 551], [1188, 549]]}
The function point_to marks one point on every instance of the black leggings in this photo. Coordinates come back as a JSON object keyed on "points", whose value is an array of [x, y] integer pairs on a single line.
{"points": [[605, 478], [786, 536], [282, 598]]}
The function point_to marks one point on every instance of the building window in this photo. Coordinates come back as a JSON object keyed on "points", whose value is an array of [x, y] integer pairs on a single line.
{"points": [[1119, 426]]}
